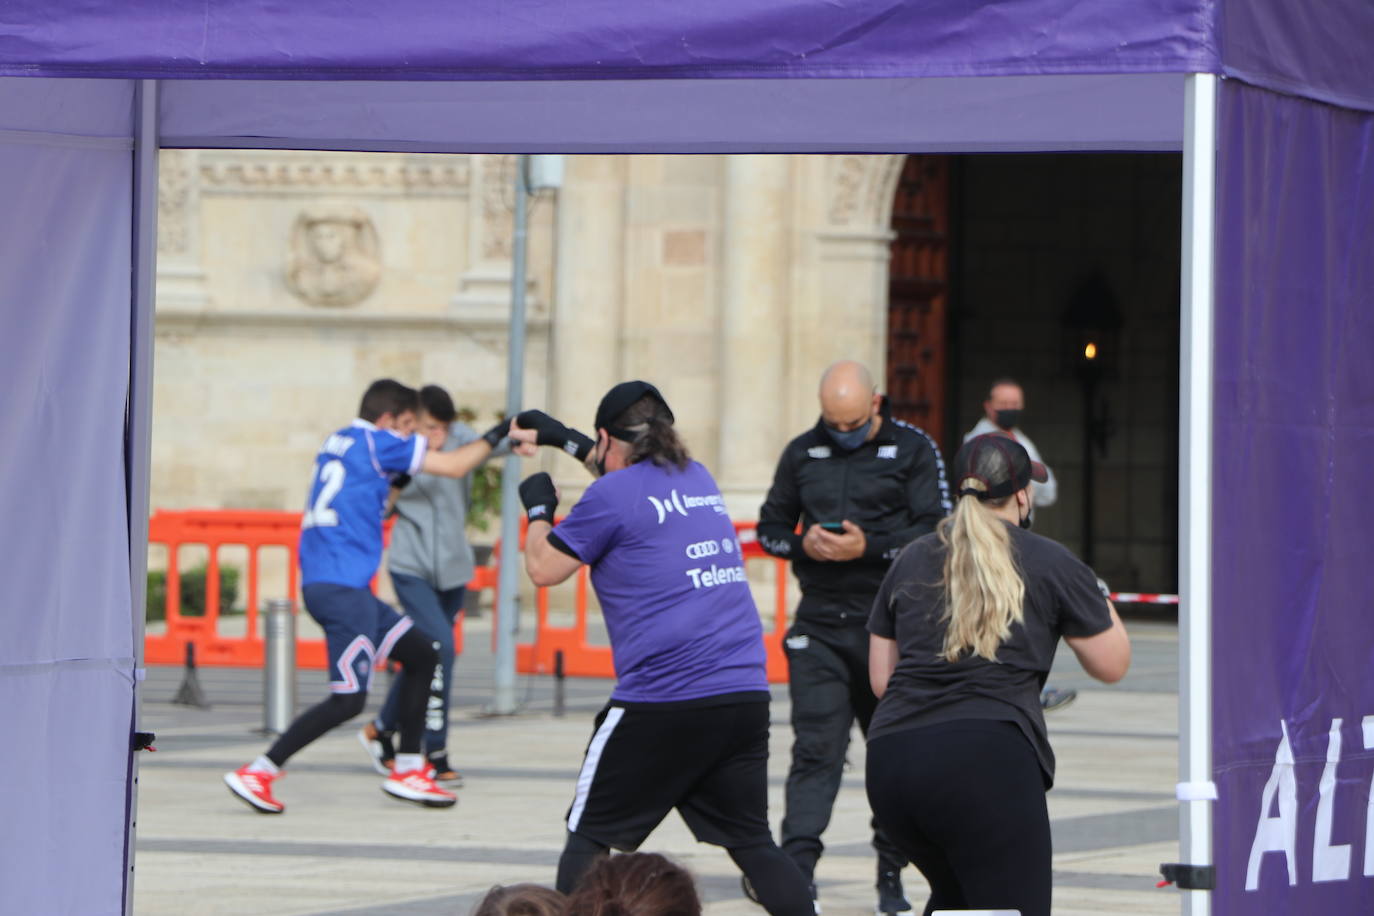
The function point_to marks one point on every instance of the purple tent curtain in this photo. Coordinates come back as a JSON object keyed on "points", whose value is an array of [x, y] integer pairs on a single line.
{"points": [[66, 650], [1293, 650]]}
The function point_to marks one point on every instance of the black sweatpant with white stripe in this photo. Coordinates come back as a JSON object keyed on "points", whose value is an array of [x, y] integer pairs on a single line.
{"points": [[708, 759]]}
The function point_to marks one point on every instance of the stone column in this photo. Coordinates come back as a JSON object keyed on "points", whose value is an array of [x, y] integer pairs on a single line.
{"points": [[841, 274], [588, 299], [755, 300]]}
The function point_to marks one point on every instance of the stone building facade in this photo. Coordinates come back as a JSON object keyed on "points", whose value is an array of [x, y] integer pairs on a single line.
{"points": [[288, 280]]}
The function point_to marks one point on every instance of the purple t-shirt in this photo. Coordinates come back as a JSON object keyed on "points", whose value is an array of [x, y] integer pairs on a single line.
{"points": [[666, 567]]}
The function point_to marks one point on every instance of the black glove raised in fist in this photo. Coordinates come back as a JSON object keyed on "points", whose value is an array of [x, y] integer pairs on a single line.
{"points": [[540, 497], [498, 432], [552, 432]]}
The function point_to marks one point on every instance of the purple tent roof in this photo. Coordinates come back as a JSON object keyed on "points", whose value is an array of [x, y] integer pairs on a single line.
{"points": [[1321, 51], [1320, 54], [602, 39]]}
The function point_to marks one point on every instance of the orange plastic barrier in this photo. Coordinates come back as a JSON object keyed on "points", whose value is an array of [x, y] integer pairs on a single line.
{"points": [[215, 529]]}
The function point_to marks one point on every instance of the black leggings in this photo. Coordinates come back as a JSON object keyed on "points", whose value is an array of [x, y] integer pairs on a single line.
{"points": [[965, 801], [417, 656]]}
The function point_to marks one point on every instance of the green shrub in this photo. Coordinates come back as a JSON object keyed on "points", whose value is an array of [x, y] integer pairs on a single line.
{"points": [[192, 591], [484, 505], [486, 497]]}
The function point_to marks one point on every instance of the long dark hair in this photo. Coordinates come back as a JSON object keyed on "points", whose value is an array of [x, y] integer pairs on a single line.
{"points": [[635, 884], [655, 438]]}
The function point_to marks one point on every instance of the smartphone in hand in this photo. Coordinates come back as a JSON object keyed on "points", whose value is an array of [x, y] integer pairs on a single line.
{"points": [[832, 527]]}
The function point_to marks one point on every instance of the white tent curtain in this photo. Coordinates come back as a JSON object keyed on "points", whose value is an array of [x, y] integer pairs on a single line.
{"points": [[66, 646]]}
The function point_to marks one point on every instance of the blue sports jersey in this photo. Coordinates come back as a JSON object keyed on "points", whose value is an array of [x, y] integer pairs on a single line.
{"points": [[341, 531], [667, 569]]}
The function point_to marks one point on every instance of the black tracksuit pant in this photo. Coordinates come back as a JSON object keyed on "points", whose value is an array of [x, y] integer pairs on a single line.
{"points": [[829, 687]]}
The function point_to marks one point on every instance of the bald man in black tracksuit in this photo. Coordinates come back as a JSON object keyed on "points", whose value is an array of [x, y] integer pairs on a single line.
{"points": [[862, 486]]}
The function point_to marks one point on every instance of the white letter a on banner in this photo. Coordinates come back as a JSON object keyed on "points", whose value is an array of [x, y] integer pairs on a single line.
{"points": [[1277, 834]]}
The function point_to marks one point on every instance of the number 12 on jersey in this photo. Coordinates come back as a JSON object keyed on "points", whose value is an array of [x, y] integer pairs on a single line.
{"points": [[331, 478]]}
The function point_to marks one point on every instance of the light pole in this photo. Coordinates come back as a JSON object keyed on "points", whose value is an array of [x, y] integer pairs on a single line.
{"points": [[531, 173]]}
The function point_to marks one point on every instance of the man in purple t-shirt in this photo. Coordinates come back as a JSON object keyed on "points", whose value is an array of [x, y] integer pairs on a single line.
{"points": [[687, 724]]}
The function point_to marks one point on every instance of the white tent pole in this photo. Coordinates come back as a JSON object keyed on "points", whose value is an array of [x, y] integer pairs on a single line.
{"points": [[1195, 789], [138, 456], [508, 607]]}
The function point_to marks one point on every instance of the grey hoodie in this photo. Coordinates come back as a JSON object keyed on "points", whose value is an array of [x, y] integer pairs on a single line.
{"points": [[430, 537]]}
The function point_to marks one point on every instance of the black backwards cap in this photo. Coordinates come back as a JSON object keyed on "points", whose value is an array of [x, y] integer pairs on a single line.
{"points": [[619, 399], [999, 463]]}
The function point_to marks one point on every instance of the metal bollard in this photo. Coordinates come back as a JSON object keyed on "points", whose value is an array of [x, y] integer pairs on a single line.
{"points": [[279, 667], [558, 682]]}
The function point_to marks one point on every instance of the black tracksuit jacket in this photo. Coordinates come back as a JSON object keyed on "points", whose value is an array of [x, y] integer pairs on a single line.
{"points": [[893, 487]]}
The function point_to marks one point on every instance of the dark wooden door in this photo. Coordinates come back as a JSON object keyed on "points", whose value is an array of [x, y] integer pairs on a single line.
{"points": [[918, 294]]}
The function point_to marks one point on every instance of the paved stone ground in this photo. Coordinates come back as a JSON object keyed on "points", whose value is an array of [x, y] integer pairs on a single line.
{"points": [[343, 847]]}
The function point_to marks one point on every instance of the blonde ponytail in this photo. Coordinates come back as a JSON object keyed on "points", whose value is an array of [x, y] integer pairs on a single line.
{"points": [[984, 592]]}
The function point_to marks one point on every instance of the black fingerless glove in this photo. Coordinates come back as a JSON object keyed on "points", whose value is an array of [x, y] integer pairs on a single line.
{"points": [[551, 432], [579, 444], [498, 432], [539, 497]]}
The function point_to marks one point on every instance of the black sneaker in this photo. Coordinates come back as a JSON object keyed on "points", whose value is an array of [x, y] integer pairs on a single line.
{"points": [[891, 898], [1052, 698]]}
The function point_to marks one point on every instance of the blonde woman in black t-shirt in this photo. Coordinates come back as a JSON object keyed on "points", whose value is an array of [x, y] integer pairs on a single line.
{"points": [[963, 633]]}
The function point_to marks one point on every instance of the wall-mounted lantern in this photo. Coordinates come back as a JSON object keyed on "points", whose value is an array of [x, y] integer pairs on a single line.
{"points": [[1091, 327]]}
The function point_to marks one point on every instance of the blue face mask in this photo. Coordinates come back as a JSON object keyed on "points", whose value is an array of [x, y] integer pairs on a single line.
{"points": [[848, 441]]}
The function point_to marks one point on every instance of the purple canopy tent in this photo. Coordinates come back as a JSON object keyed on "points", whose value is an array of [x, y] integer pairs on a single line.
{"points": [[1270, 105]]}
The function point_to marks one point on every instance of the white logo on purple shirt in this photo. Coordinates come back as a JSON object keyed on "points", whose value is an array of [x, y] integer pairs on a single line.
{"points": [[716, 575], [680, 504], [702, 549]]}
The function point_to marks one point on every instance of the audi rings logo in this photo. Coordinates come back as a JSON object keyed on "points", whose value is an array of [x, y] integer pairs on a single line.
{"points": [[702, 549]]}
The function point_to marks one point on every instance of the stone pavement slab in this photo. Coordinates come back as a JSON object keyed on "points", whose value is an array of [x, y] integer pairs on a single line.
{"points": [[344, 847]]}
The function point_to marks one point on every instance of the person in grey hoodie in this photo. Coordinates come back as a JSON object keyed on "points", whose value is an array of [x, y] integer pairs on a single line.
{"points": [[430, 561]]}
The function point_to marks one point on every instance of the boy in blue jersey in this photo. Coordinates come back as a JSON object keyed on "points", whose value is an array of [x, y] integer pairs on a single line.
{"points": [[687, 724], [340, 547]]}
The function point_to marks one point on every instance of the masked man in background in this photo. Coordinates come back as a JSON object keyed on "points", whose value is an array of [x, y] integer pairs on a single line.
{"points": [[862, 486]]}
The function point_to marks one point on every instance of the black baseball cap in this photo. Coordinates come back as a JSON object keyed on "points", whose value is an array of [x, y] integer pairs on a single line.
{"points": [[999, 463], [619, 399]]}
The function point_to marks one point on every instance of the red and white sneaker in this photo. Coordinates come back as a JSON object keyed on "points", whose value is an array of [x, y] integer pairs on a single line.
{"points": [[419, 786], [255, 788]]}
